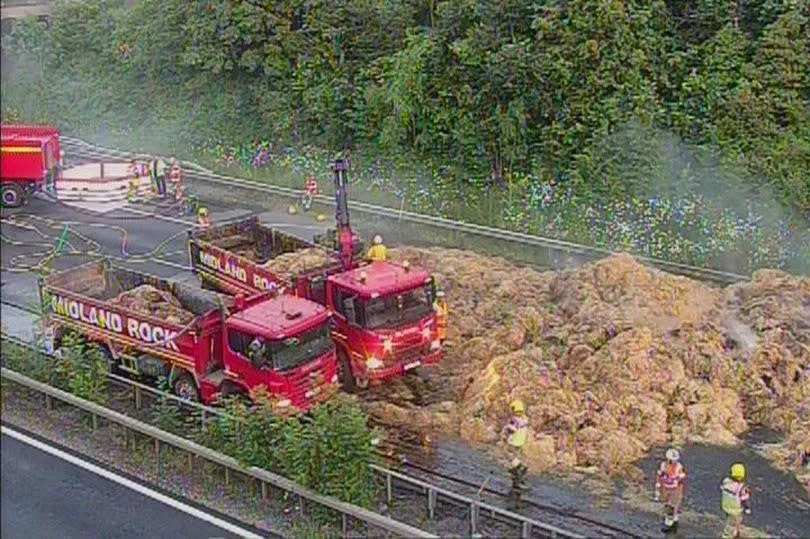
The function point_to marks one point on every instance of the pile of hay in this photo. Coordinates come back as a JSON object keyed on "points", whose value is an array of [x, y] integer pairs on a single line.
{"points": [[298, 261], [614, 358], [159, 304]]}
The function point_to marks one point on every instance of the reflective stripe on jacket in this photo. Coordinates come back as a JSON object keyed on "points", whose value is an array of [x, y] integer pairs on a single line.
{"points": [[671, 475], [441, 317], [734, 494], [378, 253], [519, 427]]}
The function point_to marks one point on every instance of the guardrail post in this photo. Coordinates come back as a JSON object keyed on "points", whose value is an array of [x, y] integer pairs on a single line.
{"points": [[264, 490], [473, 518], [94, 419], [138, 398], [388, 488], [431, 503], [526, 532], [345, 524], [227, 476], [157, 455], [301, 505], [48, 402], [202, 419]]}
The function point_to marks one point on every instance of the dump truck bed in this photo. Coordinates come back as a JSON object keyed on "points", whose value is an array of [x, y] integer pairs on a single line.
{"points": [[247, 256], [88, 299]]}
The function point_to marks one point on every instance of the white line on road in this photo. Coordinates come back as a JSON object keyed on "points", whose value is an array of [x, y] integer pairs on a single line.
{"points": [[192, 223], [158, 216], [146, 491]]}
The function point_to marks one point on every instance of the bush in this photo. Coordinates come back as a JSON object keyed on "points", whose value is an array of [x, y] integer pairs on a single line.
{"points": [[327, 450]]}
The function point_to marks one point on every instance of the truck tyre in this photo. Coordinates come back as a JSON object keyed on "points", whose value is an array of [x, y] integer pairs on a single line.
{"points": [[13, 196], [346, 376], [237, 393], [185, 388]]}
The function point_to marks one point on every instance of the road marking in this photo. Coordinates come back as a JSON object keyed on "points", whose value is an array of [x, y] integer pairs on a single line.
{"points": [[158, 216], [180, 506]]}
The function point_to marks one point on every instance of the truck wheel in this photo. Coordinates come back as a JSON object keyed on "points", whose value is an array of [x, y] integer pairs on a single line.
{"points": [[233, 391], [185, 388], [13, 196], [346, 377]]}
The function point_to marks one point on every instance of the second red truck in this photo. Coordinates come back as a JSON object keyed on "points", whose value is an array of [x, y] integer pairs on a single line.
{"points": [[383, 322]]}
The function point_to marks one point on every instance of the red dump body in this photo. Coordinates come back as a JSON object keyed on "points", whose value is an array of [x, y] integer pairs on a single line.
{"points": [[373, 348], [298, 369], [30, 159]]}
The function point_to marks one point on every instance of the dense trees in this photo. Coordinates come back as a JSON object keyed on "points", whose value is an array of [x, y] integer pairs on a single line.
{"points": [[490, 86], [613, 98]]}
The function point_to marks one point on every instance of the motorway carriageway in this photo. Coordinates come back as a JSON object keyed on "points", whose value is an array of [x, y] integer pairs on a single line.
{"points": [[50, 492]]}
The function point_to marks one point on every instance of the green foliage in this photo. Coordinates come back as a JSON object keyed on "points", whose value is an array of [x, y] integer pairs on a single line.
{"points": [[600, 97], [166, 414], [77, 367], [327, 450]]}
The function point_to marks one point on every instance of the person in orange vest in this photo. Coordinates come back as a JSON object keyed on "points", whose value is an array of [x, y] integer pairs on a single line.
{"points": [[309, 192], [669, 487], [134, 182], [178, 193], [202, 218], [440, 307], [175, 175]]}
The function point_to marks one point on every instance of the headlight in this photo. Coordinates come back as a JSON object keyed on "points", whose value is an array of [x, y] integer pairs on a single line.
{"points": [[435, 345], [373, 363], [388, 346], [426, 333], [334, 378], [284, 403]]}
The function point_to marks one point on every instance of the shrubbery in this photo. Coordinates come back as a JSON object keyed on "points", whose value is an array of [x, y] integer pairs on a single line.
{"points": [[470, 109], [327, 450]]}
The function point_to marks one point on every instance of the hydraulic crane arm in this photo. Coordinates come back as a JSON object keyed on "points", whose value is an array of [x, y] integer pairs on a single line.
{"points": [[344, 230]]}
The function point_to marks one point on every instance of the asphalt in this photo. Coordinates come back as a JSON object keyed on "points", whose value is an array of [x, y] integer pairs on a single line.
{"points": [[44, 496]]}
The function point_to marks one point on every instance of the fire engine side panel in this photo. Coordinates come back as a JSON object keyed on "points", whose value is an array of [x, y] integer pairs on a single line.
{"points": [[22, 162], [28, 151]]}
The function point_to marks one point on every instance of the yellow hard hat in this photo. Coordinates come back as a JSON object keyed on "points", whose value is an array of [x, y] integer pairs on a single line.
{"points": [[738, 471], [292, 210], [517, 406], [377, 240], [320, 218]]}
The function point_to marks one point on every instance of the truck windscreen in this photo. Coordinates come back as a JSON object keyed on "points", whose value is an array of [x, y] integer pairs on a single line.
{"points": [[290, 353], [397, 310]]}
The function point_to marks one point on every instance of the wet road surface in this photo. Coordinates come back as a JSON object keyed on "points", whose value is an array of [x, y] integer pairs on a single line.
{"points": [[45, 496]]}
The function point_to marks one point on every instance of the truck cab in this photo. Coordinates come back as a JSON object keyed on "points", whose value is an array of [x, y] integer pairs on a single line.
{"points": [[384, 322], [283, 344]]}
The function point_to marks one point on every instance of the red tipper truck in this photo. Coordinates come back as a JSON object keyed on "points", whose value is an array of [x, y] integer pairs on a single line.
{"points": [[30, 161], [229, 346], [383, 318]]}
